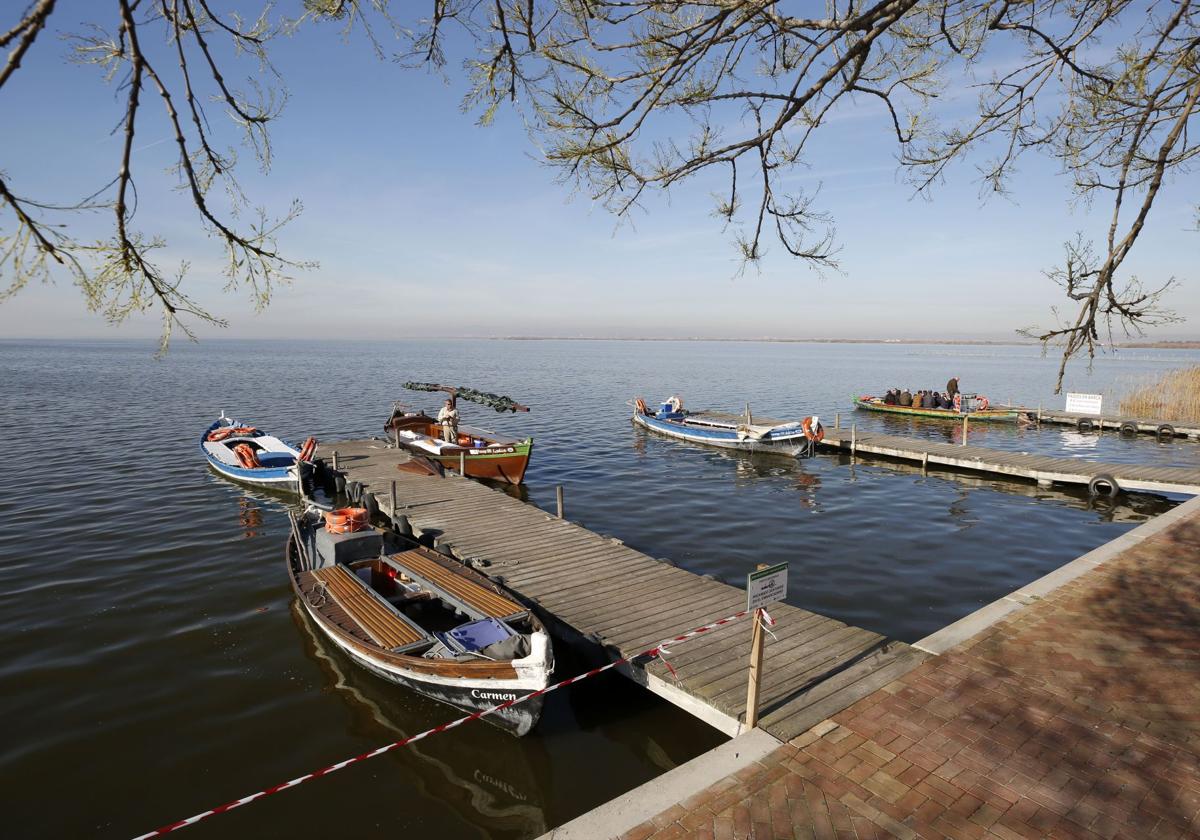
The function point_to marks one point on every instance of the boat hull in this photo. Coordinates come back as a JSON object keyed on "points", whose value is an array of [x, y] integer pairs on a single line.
{"points": [[787, 444], [505, 463], [1004, 415], [517, 719]]}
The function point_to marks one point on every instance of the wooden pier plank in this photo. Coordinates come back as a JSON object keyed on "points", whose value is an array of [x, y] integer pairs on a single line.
{"points": [[600, 587]]}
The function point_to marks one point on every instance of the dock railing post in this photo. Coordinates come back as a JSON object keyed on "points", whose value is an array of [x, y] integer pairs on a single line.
{"points": [[964, 440], [558, 495], [462, 463]]}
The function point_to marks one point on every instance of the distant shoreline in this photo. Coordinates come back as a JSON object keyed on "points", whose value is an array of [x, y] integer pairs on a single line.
{"points": [[1147, 345]]}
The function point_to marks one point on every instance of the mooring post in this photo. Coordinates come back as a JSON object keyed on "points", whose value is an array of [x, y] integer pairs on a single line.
{"points": [[756, 658], [462, 463], [335, 466], [396, 429], [964, 441], [558, 495], [837, 420], [924, 463], [853, 438], [393, 498], [1039, 414]]}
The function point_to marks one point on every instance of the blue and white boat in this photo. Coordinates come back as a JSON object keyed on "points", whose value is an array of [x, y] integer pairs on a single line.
{"points": [[239, 451], [730, 431]]}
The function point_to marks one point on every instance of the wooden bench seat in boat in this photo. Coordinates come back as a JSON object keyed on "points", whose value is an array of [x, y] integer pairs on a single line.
{"points": [[474, 599], [378, 620]]}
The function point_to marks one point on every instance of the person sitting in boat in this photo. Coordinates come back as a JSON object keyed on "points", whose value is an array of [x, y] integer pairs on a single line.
{"points": [[448, 417], [905, 398], [890, 397], [936, 399]]}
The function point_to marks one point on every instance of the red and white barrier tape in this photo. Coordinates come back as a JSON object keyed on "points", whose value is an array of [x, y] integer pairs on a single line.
{"points": [[325, 771]]}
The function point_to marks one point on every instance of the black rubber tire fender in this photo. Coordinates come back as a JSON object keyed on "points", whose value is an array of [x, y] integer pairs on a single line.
{"points": [[1129, 429], [1084, 425], [1166, 430], [1103, 485], [371, 504]]}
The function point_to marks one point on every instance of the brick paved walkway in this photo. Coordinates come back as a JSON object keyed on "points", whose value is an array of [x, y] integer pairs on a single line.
{"points": [[1078, 716]]}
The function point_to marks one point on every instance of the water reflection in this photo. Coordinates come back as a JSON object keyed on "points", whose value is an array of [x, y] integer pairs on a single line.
{"points": [[1127, 507], [250, 516], [488, 777]]}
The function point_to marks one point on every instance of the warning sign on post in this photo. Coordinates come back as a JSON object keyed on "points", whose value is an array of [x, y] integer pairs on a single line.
{"points": [[766, 586], [1085, 403]]}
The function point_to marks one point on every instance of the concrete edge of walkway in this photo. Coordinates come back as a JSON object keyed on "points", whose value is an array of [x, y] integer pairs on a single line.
{"points": [[619, 815], [954, 634]]}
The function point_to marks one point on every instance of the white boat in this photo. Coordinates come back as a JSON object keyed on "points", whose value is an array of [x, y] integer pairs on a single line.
{"points": [[242, 452], [730, 431]]}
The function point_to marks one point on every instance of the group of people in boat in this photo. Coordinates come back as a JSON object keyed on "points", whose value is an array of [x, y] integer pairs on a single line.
{"points": [[924, 399]]}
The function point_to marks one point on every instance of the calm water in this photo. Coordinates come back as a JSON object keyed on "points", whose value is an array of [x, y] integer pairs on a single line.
{"points": [[153, 664]]}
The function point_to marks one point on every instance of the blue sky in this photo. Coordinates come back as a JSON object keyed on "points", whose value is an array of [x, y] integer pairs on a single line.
{"points": [[425, 224]]}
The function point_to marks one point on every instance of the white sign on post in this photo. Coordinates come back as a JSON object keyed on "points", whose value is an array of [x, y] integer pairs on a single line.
{"points": [[766, 586], [1084, 403]]}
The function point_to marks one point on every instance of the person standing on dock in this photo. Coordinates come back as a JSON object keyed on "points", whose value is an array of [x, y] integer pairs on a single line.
{"points": [[448, 417], [952, 387]]}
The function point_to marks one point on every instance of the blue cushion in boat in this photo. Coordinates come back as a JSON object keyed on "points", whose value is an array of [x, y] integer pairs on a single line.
{"points": [[476, 635]]}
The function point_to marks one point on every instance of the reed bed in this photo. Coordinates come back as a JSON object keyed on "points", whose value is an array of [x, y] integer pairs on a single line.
{"points": [[1175, 395]]}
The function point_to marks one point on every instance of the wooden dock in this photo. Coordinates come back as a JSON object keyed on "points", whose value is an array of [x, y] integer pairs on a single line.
{"points": [[594, 590], [1044, 469], [1098, 423]]}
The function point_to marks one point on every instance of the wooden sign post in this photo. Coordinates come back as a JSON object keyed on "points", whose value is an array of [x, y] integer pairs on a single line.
{"points": [[766, 585]]}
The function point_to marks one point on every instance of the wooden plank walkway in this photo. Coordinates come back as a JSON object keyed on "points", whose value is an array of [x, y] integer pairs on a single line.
{"points": [[1041, 468], [1100, 423], [597, 589]]}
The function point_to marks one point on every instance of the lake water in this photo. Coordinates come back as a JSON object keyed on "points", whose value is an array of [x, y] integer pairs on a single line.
{"points": [[153, 663]]}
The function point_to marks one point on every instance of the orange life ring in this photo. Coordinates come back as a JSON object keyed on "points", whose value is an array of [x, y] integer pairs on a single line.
{"points": [[220, 434], [982, 404], [346, 520], [817, 434], [641, 406], [247, 456], [243, 430], [307, 450], [957, 401]]}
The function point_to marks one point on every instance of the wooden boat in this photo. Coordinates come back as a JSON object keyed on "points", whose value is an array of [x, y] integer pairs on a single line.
{"points": [[1004, 413], [419, 619], [484, 453], [239, 451], [730, 431]]}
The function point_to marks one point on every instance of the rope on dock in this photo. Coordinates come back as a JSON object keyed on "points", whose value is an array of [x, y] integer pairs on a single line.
{"points": [[651, 653]]}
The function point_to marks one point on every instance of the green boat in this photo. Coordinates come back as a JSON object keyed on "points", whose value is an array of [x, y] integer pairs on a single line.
{"points": [[1003, 413]]}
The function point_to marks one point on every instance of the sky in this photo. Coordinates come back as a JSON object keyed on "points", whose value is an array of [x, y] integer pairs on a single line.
{"points": [[426, 224]]}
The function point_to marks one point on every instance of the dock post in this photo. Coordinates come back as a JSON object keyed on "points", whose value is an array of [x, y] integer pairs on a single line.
{"points": [[558, 495], [853, 439], [924, 463], [964, 442], [335, 466], [462, 463], [393, 498], [756, 658], [396, 429], [837, 420], [1039, 414]]}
